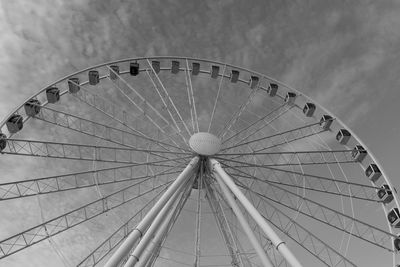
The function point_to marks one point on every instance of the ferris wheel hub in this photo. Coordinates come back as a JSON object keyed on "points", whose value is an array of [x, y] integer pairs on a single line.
{"points": [[205, 144]]}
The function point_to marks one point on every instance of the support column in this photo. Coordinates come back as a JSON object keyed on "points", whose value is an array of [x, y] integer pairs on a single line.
{"points": [[162, 216], [242, 220], [137, 233], [275, 239], [167, 224], [224, 227]]}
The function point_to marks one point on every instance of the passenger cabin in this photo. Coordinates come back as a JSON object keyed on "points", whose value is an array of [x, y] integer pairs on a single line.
{"points": [[393, 217], [174, 66], [3, 141], [385, 194], [253, 82], [32, 107], [272, 89], [358, 153], [195, 68], [52, 94], [396, 244], [373, 172], [134, 68], [343, 136], [73, 85], [114, 72], [94, 77], [234, 76], [309, 109], [290, 98], [214, 71], [156, 65], [325, 122], [14, 123]]}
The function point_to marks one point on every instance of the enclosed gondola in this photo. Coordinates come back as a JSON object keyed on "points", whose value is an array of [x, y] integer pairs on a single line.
{"points": [[195, 68], [156, 65], [272, 89], [52, 94], [309, 109], [290, 98], [385, 194], [214, 71], [343, 136], [14, 123], [134, 68], [114, 72], [73, 85], [175, 66], [32, 107], [234, 76], [358, 153], [94, 77]]}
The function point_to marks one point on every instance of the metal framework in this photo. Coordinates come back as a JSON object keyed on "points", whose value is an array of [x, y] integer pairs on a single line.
{"points": [[285, 189]]}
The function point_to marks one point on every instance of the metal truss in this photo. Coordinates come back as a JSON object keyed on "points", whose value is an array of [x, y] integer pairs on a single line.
{"points": [[119, 115], [95, 129], [75, 180], [224, 227], [73, 218], [326, 215], [288, 136], [167, 100], [286, 158], [304, 237], [80, 152], [260, 119]]}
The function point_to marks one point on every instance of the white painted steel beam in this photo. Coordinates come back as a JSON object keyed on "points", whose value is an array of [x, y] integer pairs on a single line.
{"points": [[163, 216], [127, 245], [242, 220], [258, 218]]}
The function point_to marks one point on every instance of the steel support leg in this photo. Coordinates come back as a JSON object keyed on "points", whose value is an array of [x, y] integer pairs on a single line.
{"points": [[242, 220], [137, 233], [224, 179], [154, 247], [161, 217], [224, 227]]}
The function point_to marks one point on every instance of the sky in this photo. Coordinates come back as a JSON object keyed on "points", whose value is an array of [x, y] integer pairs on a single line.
{"points": [[343, 54]]}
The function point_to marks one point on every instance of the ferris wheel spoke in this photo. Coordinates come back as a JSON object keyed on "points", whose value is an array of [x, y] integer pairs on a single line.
{"points": [[75, 180], [216, 98], [143, 99], [189, 87], [167, 224], [269, 162], [224, 227], [61, 223], [260, 119], [320, 182], [237, 114], [284, 134], [263, 126], [164, 100], [167, 100], [121, 116], [328, 216], [79, 152], [91, 128], [278, 259], [313, 187], [112, 241], [115, 239], [145, 114], [298, 233]]}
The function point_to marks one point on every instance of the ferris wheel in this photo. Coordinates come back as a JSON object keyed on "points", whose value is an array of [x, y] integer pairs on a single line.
{"points": [[175, 161]]}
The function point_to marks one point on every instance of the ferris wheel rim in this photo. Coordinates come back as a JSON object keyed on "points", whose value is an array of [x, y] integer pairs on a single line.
{"points": [[341, 123]]}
